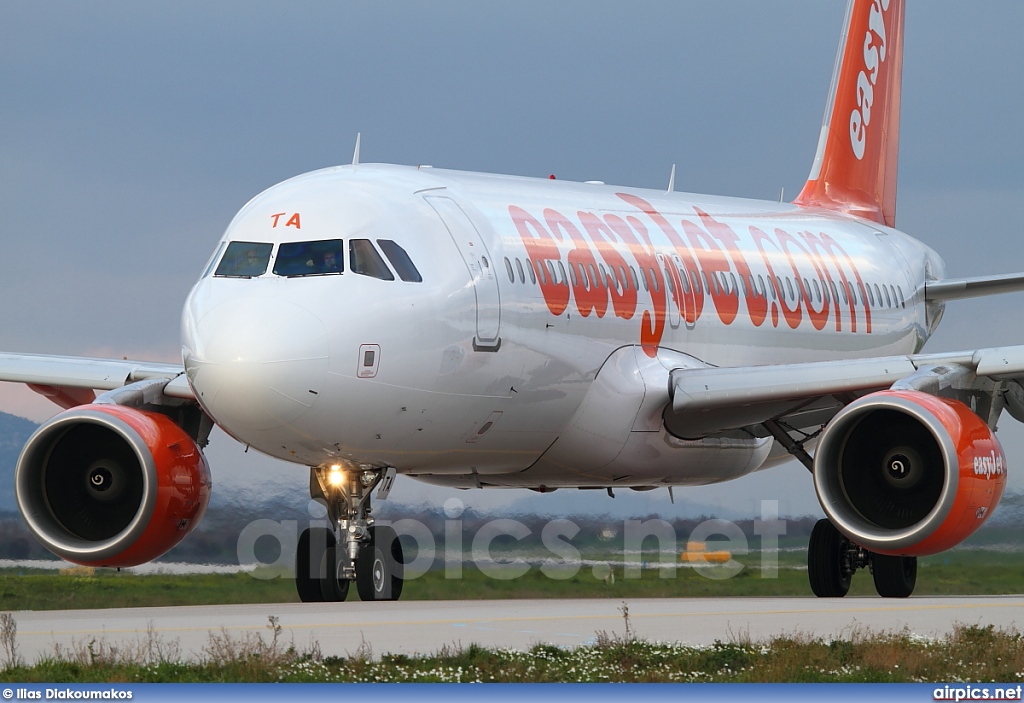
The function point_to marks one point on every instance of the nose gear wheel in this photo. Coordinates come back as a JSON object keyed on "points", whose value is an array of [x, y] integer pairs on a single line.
{"points": [[309, 568], [379, 574]]}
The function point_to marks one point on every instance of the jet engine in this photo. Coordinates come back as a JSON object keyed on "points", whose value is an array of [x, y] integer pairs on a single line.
{"points": [[907, 473], [106, 485]]}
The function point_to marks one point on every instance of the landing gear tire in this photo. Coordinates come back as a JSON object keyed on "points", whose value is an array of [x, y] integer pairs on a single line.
{"points": [[827, 566], [333, 588], [895, 577], [309, 552], [380, 566]]}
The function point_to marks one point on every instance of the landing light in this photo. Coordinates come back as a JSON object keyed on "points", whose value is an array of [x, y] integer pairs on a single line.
{"points": [[336, 476]]}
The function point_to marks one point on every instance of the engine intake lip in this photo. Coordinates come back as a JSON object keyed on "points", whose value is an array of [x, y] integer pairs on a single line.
{"points": [[30, 488], [833, 496]]}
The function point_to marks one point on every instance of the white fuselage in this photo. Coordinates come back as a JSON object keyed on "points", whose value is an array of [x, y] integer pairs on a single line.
{"points": [[533, 352]]}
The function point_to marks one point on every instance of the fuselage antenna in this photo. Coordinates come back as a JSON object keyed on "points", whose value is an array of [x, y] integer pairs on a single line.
{"points": [[671, 180], [355, 154], [782, 194]]}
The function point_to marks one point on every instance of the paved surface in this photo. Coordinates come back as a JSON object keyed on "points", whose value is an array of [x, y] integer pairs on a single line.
{"points": [[425, 626]]}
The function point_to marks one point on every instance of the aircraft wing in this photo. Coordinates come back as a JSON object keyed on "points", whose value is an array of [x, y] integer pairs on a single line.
{"points": [[708, 400], [957, 288], [66, 374]]}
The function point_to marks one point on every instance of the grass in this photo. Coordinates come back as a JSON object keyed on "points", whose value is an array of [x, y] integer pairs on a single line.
{"points": [[46, 590], [965, 572], [968, 654]]}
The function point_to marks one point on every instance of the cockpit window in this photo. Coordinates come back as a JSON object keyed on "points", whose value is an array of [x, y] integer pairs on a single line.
{"points": [[400, 261], [309, 258], [245, 259], [364, 259]]}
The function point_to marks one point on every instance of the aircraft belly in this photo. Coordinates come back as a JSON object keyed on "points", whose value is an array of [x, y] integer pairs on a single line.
{"points": [[648, 459], [616, 435]]}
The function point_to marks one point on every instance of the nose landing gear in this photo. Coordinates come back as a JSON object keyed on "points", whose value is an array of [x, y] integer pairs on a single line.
{"points": [[327, 562]]}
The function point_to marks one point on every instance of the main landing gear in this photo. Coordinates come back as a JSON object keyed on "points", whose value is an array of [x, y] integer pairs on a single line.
{"points": [[832, 560], [328, 561]]}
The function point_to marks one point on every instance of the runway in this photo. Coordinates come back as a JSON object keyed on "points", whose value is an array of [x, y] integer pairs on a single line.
{"points": [[411, 627]]}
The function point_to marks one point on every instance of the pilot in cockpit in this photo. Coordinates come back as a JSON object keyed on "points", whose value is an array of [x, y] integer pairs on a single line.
{"points": [[251, 264], [331, 263]]}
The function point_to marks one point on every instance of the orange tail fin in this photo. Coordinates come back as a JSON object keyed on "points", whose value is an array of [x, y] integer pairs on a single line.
{"points": [[855, 167]]}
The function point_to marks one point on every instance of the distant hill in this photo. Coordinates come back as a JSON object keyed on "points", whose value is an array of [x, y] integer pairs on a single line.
{"points": [[14, 432]]}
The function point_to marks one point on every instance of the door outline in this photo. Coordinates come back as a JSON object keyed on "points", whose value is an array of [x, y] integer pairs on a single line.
{"points": [[480, 266]]}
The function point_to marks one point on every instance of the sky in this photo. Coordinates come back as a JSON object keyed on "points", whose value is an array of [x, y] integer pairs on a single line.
{"points": [[130, 134]]}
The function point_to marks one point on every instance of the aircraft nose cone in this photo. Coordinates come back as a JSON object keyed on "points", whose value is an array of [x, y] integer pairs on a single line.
{"points": [[258, 364]]}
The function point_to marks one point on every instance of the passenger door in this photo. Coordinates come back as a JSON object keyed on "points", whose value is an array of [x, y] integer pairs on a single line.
{"points": [[481, 270]]}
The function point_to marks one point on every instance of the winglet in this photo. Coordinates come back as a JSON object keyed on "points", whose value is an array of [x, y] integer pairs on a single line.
{"points": [[355, 154], [855, 166]]}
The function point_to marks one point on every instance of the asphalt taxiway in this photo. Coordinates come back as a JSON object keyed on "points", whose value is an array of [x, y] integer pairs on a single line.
{"points": [[411, 627]]}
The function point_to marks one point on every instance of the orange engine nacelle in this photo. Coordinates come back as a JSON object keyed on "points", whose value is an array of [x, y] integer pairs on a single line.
{"points": [[907, 473], [105, 485]]}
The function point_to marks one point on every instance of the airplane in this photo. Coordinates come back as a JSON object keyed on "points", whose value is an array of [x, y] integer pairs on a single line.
{"points": [[486, 331]]}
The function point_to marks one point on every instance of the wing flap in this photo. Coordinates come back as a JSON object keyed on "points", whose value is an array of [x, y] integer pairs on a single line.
{"points": [[999, 362]]}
